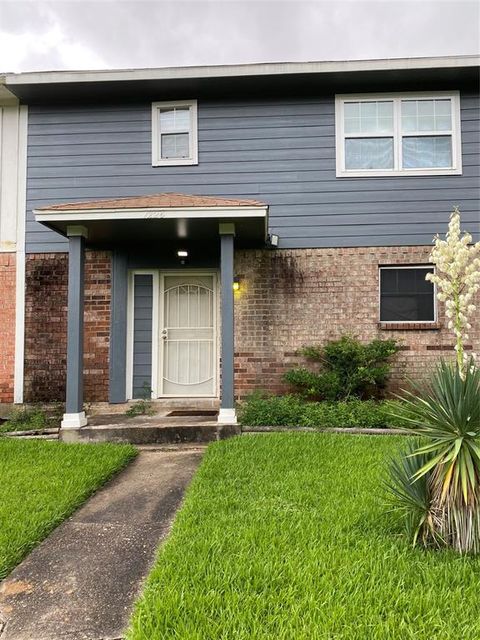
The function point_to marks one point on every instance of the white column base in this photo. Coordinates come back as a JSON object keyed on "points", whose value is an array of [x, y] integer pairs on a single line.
{"points": [[74, 420], [227, 416]]}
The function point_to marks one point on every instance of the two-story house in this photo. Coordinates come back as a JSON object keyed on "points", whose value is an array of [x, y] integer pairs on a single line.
{"points": [[186, 230]]}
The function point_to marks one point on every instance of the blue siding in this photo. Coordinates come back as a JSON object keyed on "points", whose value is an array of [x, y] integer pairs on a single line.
{"points": [[281, 152], [142, 335]]}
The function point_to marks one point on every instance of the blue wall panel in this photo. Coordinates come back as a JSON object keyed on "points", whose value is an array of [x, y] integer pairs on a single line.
{"points": [[281, 152], [142, 335]]}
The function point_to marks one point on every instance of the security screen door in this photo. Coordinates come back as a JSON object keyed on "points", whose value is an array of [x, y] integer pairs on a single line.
{"points": [[187, 335]]}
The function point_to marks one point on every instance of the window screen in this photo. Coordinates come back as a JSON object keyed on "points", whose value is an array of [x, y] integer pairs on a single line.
{"points": [[405, 295]]}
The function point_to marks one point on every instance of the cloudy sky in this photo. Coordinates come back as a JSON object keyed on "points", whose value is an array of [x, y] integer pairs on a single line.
{"points": [[80, 34]]}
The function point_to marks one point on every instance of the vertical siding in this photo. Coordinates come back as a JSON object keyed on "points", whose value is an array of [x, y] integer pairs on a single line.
{"points": [[280, 151], [142, 334]]}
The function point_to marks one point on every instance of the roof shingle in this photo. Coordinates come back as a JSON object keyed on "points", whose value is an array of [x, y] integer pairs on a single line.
{"points": [[154, 201]]}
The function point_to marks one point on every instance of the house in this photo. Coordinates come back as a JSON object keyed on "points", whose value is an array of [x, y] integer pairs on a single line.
{"points": [[193, 227]]}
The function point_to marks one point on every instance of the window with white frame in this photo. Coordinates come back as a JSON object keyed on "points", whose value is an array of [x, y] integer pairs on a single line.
{"points": [[398, 134], [405, 294], [174, 133]]}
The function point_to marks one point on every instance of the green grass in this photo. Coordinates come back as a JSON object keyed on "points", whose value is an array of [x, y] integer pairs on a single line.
{"points": [[41, 483], [285, 537]]}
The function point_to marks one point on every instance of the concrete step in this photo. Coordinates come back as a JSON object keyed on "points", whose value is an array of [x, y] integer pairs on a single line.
{"points": [[165, 432]]}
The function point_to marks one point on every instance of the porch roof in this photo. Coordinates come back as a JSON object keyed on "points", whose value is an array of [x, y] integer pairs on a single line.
{"points": [[161, 217]]}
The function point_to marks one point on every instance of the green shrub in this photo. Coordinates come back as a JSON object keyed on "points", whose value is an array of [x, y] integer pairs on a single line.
{"points": [[291, 411], [313, 385], [347, 368], [28, 418], [273, 411]]}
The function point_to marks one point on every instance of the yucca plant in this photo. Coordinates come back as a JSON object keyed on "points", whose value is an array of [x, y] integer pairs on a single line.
{"points": [[446, 415], [410, 499]]}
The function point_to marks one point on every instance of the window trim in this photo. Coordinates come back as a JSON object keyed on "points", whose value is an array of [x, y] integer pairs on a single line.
{"points": [[407, 322], [157, 160], [340, 100]]}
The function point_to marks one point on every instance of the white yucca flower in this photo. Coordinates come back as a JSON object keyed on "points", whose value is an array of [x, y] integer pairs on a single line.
{"points": [[457, 276]]}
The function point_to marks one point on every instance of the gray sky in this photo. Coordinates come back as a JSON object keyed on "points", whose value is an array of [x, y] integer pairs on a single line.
{"points": [[80, 34]]}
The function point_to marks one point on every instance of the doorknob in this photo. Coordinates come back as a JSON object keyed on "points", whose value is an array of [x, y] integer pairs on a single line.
{"points": [[164, 334]]}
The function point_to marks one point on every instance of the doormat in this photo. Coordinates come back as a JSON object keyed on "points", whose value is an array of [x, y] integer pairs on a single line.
{"points": [[191, 412]]}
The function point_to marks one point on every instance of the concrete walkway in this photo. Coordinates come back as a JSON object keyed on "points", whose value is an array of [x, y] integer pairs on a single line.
{"points": [[81, 582]]}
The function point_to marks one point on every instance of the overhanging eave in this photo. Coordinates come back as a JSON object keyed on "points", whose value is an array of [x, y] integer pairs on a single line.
{"points": [[112, 227]]}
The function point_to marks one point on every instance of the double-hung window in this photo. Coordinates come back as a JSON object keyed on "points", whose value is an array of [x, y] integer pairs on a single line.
{"points": [[405, 294], [174, 133], [398, 134]]}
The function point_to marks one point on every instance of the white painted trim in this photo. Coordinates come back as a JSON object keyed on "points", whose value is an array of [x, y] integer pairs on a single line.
{"points": [[170, 213], [157, 321], [157, 160], [7, 98], [239, 70], [407, 266], [10, 156], [216, 329], [396, 98], [227, 416], [74, 420], [20, 258]]}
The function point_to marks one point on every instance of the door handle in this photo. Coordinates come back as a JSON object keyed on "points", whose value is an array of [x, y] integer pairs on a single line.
{"points": [[164, 334]]}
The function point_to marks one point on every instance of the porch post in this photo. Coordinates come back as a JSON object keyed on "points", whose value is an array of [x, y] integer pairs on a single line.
{"points": [[227, 412], [74, 416]]}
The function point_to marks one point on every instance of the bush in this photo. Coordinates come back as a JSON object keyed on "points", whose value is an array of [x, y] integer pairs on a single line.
{"points": [[30, 418], [348, 369], [310, 385], [273, 411], [291, 411]]}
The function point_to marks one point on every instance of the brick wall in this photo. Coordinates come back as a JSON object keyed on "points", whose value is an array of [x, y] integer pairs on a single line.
{"points": [[46, 326], [287, 299], [292, 298], [7, 326]]}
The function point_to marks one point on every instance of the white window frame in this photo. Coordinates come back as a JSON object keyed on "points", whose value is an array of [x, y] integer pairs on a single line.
{"points": [[397, 135], [407, 266], [157, 160]]}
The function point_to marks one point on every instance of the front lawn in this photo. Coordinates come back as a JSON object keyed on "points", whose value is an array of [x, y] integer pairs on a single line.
{"points": [[285, 537], [41, 483]]}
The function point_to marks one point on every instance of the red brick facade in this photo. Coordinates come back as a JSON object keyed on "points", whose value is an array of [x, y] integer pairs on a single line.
{"points": [[46, 326], [7, 325], [287, 299], [292, 298]]}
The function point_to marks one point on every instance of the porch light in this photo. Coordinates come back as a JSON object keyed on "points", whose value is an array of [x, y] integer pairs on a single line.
{"points": [[182, 254], [236, 284]]}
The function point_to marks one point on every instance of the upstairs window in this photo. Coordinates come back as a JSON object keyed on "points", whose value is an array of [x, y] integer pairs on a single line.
{"points": [[174, 133], [398, 134], [405, 295]]}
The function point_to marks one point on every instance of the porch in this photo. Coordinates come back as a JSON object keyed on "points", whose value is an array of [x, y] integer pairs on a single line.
{"points": [[172, 299]]}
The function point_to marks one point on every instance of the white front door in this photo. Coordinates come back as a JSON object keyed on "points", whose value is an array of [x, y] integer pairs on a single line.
{"points": [[187, 362]]}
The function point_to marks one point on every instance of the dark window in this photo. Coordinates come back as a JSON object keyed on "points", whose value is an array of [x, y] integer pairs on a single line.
{"points": [[405, 295]]}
